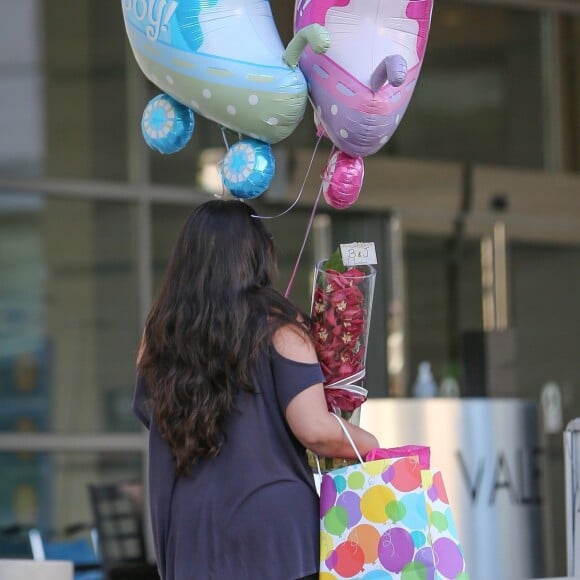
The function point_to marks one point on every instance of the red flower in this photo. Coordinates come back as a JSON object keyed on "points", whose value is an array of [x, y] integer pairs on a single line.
{"points": [[321, 334], [330, 318], [343, 399], [339, 320], [346, 297], [339, 323], [354, 273], [335, 281]]}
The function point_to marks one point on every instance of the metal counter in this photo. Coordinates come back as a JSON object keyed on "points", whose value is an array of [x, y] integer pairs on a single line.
{"points": [[488, 453]]}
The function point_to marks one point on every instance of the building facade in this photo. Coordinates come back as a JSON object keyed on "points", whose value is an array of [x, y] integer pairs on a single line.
{"points": [[474, 207]]}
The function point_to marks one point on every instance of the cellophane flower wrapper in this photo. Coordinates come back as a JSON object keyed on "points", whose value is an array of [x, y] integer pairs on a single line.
{"points": [[341, 313]]}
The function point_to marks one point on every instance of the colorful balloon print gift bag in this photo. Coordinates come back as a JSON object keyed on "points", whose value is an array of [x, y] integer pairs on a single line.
{"points": [[387, 519]]}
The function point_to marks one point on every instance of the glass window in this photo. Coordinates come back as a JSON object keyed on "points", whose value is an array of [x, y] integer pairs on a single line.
{"points": [[545, 296], [479, 96], [167, 221], [444, 300], [571, 80], [85, 99], [68, 314]]}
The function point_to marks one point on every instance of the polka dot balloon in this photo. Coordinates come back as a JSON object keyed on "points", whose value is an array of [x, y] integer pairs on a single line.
{"points": [[248, 168]]}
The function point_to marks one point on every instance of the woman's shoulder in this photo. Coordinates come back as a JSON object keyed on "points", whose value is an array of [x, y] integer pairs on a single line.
{"points": [[294, 343]]}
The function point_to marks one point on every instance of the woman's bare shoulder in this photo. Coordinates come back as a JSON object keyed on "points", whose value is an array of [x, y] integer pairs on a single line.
{"points": [[294, 343]]}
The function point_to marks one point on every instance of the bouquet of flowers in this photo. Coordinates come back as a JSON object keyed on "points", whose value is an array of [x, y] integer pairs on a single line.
{"points": [[341, 311]]}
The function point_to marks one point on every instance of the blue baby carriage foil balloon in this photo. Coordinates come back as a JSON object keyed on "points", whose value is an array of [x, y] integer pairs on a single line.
{"points": [[223, 59]]}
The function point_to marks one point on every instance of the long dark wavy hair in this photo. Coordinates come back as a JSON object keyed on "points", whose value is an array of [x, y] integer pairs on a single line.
{"points": [[215, 314]]}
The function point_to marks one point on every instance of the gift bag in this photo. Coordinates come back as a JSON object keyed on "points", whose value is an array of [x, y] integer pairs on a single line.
{"points": [[388, 519]]}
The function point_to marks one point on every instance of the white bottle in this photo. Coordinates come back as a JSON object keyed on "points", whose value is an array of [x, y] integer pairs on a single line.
{"points": [[425, 385], [551, 400]]}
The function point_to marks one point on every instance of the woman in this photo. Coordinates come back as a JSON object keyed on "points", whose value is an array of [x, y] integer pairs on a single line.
{"points": [[230, 389]]}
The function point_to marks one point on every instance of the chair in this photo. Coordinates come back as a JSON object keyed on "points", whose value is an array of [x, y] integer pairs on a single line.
{"points": [[14, 542], [121, 543], [75, 543]]}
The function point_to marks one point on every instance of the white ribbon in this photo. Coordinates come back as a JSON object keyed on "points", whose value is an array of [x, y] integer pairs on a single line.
{"points": [[348, 380]]}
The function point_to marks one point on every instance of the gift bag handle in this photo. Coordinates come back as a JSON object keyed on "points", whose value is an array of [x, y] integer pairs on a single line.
{"points": [[345, 431]]}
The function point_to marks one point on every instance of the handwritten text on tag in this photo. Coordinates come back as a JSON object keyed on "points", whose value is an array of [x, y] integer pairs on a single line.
{"points": [[358, 253]]}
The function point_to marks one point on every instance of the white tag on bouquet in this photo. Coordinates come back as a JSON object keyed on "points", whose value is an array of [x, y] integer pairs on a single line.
{"points": [[358, 253]]}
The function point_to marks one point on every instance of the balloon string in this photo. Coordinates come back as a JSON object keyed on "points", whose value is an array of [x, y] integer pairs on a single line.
{"points": [[271, 217], [220, 163], [308, 228], [225, 138]]}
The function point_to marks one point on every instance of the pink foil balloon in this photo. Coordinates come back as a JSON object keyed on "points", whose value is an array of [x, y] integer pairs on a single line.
{"points": [[342, 180], [360, 88]]}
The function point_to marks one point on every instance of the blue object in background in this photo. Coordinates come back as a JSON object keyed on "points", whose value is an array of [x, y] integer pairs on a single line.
{"points": [[25, 377], [167, 125], [80, 553], [65, 546], [248, 168]]}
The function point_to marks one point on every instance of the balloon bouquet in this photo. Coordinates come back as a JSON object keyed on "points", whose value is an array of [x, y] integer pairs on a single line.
{"points": [[356, 60]]}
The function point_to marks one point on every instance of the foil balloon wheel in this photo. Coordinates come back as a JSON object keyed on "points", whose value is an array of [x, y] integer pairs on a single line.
{"points": [[342, 180], [248, 168], [167, 125]]}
